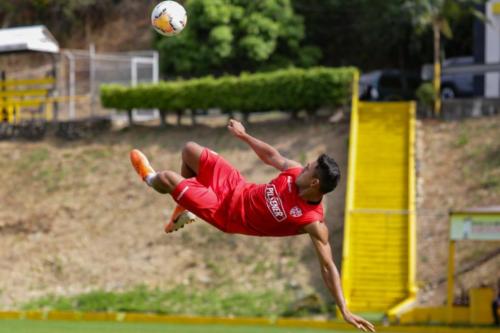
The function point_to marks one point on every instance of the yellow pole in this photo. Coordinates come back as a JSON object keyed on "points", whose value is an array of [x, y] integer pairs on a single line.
{"points": [[10, 113], [451, 280], [48, 111], [437, 69], [412, 229]]}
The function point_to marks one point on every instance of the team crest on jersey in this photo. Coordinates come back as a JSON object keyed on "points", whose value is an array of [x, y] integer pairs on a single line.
{"points": [[274, 203], [296, 211]]}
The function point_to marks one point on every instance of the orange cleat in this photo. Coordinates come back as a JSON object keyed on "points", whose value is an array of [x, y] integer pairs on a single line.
{"points": [[141, 164], [180, 217]]}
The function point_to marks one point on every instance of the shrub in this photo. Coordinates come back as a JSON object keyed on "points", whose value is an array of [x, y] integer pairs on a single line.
{"points": [[426, 94], [285, 90]]}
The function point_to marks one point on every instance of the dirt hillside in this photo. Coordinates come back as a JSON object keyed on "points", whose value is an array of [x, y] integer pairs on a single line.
{"points": [[459, 167], [75, 217]]}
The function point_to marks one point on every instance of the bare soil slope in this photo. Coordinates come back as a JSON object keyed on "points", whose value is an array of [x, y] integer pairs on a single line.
{"points": [[459, 168], [75, 217]]}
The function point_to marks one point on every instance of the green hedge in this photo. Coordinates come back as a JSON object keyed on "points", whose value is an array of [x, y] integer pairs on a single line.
{"points": [[287, 90]]}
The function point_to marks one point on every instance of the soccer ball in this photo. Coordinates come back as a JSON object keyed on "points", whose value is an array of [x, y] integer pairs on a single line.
{"points": [[168, 18]]}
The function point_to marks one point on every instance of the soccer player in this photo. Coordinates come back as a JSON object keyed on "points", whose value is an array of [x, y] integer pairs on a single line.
{"points": [[288, 205]]}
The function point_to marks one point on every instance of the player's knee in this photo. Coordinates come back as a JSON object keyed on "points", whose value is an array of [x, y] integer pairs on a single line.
{"points": [[191, 148]]}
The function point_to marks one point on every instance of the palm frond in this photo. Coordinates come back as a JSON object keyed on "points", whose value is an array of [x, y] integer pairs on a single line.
{"points": [[445, 28]]}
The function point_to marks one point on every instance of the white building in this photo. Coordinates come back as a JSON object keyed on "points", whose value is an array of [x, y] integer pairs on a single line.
{"points": [[491, 46]]}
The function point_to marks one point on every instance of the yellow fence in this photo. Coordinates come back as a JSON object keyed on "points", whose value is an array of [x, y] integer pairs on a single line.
{"points": [[19, 96], [378, 268], [27, 105]]}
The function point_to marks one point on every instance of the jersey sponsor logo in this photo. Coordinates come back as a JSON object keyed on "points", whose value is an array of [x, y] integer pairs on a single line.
{"points": [[296, 211], [274, 203]]}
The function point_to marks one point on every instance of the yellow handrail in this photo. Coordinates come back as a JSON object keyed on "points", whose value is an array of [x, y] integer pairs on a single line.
{"points": [[27, 82], [22, 93], [349, 205], [412, 228], [12, 109], [40, 101]]}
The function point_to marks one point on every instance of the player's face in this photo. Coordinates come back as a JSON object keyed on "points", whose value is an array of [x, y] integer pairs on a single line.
{"points": [[307, 177]]}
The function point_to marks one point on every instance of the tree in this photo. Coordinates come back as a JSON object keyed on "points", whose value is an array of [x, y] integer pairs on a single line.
{"points": [[65, 17], [370, 34], [436, 14], [230, 36]]}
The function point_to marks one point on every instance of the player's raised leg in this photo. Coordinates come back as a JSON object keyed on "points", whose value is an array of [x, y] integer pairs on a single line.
{"points": [[163, 182], [191, 154]]}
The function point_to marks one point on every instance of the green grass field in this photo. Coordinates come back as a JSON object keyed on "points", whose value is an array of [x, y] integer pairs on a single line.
{"points": [[30, 326]]}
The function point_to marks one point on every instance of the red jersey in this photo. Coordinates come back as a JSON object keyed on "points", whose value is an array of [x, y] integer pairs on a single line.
{"points": [[220, 195], [273, 209]]}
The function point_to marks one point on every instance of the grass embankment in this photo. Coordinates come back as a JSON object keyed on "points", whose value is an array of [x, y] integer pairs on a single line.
{"points": [[176, 301]]}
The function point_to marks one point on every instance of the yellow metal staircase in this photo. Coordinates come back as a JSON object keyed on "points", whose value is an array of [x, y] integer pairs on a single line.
{"points": [[378, 268]]}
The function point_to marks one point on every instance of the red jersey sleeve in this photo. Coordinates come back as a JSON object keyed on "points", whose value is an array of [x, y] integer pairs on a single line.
{"points": [[294, 171]]}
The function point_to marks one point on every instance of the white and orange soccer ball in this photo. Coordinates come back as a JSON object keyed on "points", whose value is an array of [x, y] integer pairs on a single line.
{"points": [[169, 18]]}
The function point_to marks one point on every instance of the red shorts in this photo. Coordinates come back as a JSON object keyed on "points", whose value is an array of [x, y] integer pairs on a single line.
{"points": [[208, 195]]}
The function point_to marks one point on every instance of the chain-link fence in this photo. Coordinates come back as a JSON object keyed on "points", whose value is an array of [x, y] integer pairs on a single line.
{"points": [[35, 91], [81, 72]]}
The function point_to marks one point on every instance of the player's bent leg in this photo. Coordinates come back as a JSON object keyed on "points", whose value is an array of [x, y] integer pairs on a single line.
{"points": [[166, 181], [191, 154], [202, 201], [163, 182]]}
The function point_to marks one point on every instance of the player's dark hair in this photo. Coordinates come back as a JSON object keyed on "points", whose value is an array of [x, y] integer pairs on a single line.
{"points": [[328, 173]]}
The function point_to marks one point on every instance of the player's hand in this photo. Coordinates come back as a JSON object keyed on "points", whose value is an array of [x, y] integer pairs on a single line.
{"points": [[359, 322], [236, 128]]}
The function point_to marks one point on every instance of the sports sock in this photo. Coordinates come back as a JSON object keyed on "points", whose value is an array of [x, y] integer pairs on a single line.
{"points": [[149, 178]]}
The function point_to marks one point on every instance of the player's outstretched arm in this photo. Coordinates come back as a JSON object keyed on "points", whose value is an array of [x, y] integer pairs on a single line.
{"points": [[267, 153], [319, 236]]}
